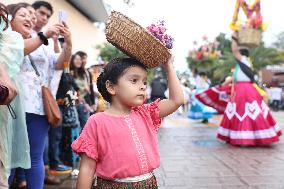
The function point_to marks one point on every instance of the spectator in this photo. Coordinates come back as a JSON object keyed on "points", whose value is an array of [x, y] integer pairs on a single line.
{"points": [[13, 48], [158, 88], [82, 80], [276, 96], [46, 62], [91, 97]]}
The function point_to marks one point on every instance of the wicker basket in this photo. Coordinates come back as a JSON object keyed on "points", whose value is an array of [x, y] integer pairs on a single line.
{"points": [[249, 37], [135, 41]]}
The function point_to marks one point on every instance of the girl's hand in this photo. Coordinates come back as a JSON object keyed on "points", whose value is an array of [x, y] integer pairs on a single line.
{"points": [[169, 63]]}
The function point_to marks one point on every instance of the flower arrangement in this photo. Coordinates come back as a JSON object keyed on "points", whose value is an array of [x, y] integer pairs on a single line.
{"points": [[159, 31], [206, 51], [253, 14]]}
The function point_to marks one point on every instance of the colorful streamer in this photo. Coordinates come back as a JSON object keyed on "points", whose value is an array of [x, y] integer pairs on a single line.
{"points": [[249, 11]]}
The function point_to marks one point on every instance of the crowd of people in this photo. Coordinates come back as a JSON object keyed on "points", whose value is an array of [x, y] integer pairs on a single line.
{"points": [[118, 144], [32, 57], [33, 148]]}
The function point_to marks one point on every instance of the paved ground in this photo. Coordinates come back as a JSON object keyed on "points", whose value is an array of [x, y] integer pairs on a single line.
{"points": [[191, 157]]}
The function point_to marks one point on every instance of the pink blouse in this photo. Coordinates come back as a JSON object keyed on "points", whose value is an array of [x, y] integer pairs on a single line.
{"points": [[123, 146]]}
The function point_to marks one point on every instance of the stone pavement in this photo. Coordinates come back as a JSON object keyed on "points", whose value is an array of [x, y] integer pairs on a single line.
{"points": [[191, 157]]}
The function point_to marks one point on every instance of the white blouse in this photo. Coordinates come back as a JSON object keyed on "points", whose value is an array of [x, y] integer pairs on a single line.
{"points": [[239, 74], [45, 61]]}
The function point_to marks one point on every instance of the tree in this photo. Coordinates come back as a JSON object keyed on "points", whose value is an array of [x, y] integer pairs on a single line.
{"points": [[264, 56], [214, 68], [279, 44], [108, 52], [218, 69]]}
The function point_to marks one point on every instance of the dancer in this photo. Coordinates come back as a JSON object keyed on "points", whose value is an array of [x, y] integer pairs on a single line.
{"points": [[218, 96], [247, 120], [197, 109]]}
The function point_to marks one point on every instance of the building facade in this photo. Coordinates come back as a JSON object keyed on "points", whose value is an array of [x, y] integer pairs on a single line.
{"points": [[273, 76], [81, 16]]}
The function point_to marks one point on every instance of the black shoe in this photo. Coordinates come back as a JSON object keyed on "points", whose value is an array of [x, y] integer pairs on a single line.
{"points": [[205, 121]]}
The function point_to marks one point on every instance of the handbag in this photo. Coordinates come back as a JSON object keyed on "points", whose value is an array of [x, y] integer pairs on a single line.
{"points": [[4, 93], [70, 117], [50, 105]]}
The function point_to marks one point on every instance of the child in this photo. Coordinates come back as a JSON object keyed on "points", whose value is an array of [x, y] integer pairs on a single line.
{"points": [[120, 145]]}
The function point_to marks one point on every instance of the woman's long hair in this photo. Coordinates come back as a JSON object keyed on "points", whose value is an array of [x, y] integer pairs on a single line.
{"points": [[4, 15], [77, 72]]}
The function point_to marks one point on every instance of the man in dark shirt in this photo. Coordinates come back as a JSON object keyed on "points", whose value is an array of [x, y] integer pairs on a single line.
{"points": [[158, 88]]}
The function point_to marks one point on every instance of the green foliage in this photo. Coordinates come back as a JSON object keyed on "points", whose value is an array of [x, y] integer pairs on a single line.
{"points": [[261, 56], [279, 44], [108, 52], [264, 56]]}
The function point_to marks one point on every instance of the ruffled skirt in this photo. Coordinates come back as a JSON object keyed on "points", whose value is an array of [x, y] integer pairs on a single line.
{"points": [[247, 120]]}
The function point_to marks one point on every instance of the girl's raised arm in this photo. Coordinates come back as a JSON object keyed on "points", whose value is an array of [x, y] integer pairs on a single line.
{"points": [[87, 172], [176, 98]]}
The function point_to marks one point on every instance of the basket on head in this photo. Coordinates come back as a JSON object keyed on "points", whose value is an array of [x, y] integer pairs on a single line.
{"points": [[135, 41], [249, 37]]}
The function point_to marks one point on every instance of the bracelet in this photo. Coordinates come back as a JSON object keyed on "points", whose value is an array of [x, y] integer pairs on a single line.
{"points": [[42, 38]]}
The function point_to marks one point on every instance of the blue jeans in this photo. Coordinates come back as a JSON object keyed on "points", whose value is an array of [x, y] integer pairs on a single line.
{"points": [[37, 126], [83, 115]]}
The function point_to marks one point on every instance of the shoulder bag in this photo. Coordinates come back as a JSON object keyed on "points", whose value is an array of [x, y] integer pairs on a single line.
{"points": [[51, 108]]}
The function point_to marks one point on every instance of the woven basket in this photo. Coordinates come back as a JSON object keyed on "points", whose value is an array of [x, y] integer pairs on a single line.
{"points": [[135, 41], [249, 37]]}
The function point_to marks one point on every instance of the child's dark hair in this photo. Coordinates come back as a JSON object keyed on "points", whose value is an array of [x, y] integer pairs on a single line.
{"points": [[244, 52], [113, 71]]}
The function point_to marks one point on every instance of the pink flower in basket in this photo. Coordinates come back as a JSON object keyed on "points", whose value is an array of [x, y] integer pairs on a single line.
{"points": [[158, 30]]}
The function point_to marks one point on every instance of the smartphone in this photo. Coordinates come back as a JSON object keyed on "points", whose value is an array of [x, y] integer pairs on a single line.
{"points": [[61, 40], [62, 16]]}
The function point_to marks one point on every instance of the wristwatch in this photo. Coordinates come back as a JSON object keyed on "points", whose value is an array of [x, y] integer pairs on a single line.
{"points": [[42, 38]]}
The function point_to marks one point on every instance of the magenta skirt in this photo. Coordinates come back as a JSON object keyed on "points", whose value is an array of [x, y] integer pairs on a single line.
{"points": [[247, 119]]}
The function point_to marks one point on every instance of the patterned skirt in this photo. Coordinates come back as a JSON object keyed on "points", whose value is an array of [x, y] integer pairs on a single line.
{"points": [[247, 119], [150, 183], [198, 110], [216, 97]]}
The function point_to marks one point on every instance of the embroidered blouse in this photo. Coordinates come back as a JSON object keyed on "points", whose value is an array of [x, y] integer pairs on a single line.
{"points": [[123, 146]]}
